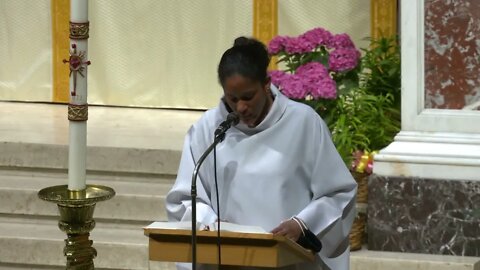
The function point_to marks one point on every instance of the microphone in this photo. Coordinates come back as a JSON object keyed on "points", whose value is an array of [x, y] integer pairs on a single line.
{"points": [[232, 120]]}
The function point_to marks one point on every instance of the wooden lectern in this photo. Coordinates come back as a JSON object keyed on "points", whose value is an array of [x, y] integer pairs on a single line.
{"points": [[238, 249]]}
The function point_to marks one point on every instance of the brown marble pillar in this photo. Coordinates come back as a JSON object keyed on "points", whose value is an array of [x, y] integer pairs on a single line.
{"points": [[424, 215], [452, 54]]}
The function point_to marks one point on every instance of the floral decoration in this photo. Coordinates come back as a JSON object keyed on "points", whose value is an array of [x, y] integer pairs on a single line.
{"points": [[317, 64]]}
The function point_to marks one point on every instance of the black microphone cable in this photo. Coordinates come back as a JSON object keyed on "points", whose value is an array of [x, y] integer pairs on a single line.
{"points": [[232, 120], [218, 208]]}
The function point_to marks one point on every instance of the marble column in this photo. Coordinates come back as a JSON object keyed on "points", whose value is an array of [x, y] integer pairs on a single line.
{"points": [[424, 195]]}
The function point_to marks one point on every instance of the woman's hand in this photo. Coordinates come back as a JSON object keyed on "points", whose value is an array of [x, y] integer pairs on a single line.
{"points": [[288, 228]]}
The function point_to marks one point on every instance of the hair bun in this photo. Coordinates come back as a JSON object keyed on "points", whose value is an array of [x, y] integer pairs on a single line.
{"points": [[242, 41], [248, 57]]}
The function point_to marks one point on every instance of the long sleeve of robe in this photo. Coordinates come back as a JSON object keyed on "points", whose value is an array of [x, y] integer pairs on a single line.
{"points": [[286, 166]]}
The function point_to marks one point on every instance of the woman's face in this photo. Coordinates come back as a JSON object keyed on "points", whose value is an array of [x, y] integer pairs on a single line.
{"points": [[250, 99]]}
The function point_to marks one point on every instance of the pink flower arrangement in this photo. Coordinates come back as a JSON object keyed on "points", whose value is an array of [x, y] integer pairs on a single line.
{"points": [[343, 59], [317, 62]]}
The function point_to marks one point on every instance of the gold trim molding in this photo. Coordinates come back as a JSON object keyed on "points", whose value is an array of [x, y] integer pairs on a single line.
{"points": [[61, 49], [78, 112], [265, 22], [383, 18], [79, 30]]}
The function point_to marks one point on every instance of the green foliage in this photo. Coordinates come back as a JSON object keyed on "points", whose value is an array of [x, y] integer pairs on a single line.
{"points": [[367, 116], [364, 122], [381, 68]]}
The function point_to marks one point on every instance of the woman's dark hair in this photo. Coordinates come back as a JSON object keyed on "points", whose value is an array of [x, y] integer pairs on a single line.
{"points": [[248, 57]]}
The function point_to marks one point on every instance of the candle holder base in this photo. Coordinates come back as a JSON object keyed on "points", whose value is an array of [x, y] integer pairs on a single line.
{"points": [[76, 220]]}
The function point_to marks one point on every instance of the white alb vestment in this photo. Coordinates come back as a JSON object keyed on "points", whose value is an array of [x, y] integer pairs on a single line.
{"points": [[286, 166]]}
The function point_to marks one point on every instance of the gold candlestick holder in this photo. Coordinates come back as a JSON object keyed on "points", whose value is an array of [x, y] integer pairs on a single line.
{"points": [[76, 220]]}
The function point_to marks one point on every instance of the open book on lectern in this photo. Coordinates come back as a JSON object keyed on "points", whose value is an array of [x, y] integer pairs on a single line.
{"points": [[224, 226], [242, 245]]}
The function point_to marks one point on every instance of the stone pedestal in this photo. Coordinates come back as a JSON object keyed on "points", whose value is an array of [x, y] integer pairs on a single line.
{"points": [[421, 215]]}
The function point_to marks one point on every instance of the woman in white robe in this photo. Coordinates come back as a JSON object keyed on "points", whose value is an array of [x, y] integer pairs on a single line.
{"points": [[279, 162]]}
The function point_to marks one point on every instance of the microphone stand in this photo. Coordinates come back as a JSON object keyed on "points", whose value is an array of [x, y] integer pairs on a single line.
{"points": [[218, 139]]}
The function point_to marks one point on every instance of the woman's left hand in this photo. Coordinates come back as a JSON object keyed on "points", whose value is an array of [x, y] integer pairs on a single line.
{"points": [[288, 228]]}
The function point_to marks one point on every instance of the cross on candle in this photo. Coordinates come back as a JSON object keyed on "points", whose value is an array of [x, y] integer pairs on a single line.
{"points": [[77, 65]]}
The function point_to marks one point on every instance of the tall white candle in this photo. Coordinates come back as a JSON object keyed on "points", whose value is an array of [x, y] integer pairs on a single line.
{"points": [[79, 11], [77, 154]]}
